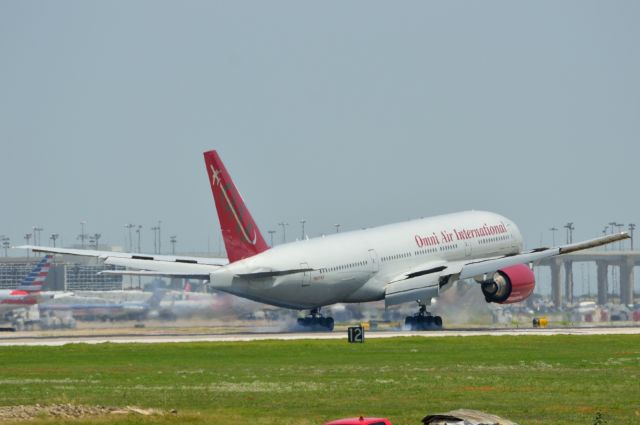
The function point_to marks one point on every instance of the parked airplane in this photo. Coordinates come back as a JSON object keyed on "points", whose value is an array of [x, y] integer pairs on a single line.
{"points": [[96, 307], [27, 294], [404, 262]]}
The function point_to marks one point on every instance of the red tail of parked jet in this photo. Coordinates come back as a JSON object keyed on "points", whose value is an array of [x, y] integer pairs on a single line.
{"points": [[242, 238]]}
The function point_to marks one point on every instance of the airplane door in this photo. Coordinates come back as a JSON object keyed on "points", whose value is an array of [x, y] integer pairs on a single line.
{"points": [[467, 249], [373, 257], [306, 281], [514, 243]]}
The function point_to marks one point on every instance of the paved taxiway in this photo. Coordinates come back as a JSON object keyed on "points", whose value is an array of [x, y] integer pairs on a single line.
{"points": [[21, 340]]}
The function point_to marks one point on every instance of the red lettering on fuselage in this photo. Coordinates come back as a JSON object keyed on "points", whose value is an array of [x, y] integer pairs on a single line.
{"points": [[423, 241], [461, 234]]}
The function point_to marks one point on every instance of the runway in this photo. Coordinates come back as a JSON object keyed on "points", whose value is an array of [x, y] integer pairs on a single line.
{"points": [[155, 338]]}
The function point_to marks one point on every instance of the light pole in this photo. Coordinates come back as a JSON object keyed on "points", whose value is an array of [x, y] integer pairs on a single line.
{"points": [[173, 240], [130, 226], [82, 236], [155, 239], [94, 239], [284, 231], [570, 229], [6, 244], [27, 238], [620, 226], [138, 232], [271, 232], [631, 229], [54, 237], [553, 235], [612, 226], [159, 237], [36, 234], [337, 226], [302, 222], [604, 233]]}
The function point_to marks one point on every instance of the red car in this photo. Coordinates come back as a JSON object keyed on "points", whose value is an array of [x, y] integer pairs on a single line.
{"points": [[360, 421]]}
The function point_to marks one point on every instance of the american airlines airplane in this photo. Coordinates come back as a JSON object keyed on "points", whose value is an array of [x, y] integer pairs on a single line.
{"points": [[28, 293], [405, 262]]}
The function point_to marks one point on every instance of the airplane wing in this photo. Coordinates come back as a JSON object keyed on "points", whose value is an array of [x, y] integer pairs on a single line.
{"points": [[424, 282], [490, 265], [266, 273], [146, 264]]}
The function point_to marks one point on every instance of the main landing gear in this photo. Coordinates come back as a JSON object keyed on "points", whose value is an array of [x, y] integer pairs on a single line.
{"points": [[315, 321], [423, 320]]}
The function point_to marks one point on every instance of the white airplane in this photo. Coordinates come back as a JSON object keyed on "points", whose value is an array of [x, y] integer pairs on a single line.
{"points": [[404, 262]]}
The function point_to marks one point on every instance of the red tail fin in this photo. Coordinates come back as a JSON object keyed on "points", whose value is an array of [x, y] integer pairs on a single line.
{"points": [[242, 238]]}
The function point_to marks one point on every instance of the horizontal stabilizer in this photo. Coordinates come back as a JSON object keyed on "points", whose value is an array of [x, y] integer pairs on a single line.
{"points": [[272, 273], [185, 275], [129, 255]]}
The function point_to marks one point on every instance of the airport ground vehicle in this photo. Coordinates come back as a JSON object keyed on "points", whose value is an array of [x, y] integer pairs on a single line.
{"points": [[52, 321], [24, 318], [453, 417], [360, 421]]}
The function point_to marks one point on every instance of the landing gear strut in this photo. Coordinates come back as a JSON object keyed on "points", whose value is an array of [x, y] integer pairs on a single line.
{"points": [[423, 320], [315, 321]]}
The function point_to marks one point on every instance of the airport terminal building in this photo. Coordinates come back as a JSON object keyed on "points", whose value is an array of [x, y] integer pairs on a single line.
{"points": [[79, 274]]}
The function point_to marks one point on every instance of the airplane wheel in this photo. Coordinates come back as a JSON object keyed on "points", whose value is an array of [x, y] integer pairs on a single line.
{"points": [[428, 322], [437, 321], [306, 321], [316, 322], [409, 322], [328, 323], [423, 323]]}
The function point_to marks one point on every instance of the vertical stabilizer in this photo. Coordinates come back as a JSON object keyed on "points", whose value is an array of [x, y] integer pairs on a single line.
{"points": [[35, 279], [242, 238]]}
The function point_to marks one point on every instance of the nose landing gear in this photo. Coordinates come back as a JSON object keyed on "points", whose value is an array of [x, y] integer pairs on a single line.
{"points": [[315, 321], [423, 320]]}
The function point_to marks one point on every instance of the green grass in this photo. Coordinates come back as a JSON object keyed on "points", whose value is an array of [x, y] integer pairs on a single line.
{"points": [[528, 379]]}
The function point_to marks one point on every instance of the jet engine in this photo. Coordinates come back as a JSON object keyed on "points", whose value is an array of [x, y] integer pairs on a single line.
{"points": [[509, 285]]}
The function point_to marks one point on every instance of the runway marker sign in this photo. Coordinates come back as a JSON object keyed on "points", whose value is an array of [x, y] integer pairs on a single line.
{"points": [[355, 334]]}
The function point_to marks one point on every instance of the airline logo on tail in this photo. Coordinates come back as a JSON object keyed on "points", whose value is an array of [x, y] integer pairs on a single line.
{"points": [[35, 279], [231, 206], [242, 238]]}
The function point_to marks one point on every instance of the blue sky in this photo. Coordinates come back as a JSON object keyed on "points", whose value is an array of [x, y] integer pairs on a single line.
{"points": [[360, 113]]}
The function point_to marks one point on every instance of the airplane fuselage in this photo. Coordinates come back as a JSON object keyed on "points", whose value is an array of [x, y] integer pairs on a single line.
{"points": [[355, 266]]}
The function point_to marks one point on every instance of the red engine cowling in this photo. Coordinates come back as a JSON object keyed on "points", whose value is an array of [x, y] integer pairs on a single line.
{"points": [[509, 285]]}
